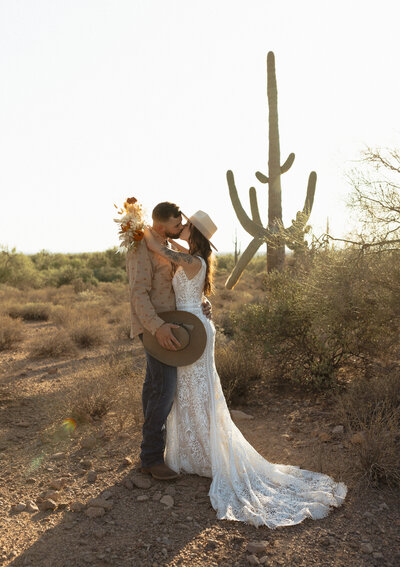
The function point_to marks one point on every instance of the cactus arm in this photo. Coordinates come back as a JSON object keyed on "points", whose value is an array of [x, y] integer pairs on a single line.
{"points": [[242, 262], [250, 226], [261, 177], [255, 213], [309, 201], [288, 163]]}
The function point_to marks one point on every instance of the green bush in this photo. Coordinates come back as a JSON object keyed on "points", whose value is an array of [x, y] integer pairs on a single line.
{"points": [[311, 320]]}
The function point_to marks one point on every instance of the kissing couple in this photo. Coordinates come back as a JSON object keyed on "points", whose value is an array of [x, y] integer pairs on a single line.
{"points": [[187, 425]]}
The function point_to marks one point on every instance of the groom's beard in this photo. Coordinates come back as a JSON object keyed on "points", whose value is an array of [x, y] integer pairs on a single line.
{"points": [[173, 236]]}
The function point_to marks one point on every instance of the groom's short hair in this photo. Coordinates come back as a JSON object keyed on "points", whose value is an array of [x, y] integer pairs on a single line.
{"points": [[164, 211]]}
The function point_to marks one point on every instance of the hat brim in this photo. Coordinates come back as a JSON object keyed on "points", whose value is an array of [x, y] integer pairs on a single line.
{"points": [[211, 244], [187, 355]]}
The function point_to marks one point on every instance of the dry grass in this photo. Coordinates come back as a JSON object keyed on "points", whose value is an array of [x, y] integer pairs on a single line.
{"points": [[30, 311], [371, 409], [53, 346], [11, 332]]}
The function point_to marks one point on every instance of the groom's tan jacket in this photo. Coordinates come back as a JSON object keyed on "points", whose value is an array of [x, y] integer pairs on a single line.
{"points": [[150, 287]]}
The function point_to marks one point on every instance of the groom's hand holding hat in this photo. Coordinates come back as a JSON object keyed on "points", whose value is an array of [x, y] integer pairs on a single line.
{"points": [[165, 336]]}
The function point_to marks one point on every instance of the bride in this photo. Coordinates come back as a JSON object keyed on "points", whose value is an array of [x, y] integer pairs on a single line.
{"points": [[201, 437]]}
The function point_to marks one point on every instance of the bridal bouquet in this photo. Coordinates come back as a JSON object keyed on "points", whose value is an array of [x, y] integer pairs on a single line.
{"points": [[132, 224]]}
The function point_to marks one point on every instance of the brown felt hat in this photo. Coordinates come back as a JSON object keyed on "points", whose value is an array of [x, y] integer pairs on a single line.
{"points": [[191, 334]]}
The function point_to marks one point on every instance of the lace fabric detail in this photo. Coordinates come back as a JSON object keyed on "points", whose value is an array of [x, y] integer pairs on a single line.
{"points": [[202, 439]]}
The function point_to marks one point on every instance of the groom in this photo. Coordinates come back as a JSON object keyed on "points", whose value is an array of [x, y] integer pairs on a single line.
{"points": [[151, 292]]}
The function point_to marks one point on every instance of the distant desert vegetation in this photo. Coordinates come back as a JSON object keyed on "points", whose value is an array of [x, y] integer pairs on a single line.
{"points": [[328, 324]]}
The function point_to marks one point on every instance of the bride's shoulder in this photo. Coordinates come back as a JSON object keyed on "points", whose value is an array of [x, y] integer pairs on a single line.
{"points": [[203, 262]]}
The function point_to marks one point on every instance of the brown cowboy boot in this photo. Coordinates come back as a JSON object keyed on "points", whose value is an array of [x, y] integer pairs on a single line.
{"points": [[160, 472]]}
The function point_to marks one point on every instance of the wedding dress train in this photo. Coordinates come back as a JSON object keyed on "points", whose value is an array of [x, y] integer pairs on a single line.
{"points": [[202, 439]]}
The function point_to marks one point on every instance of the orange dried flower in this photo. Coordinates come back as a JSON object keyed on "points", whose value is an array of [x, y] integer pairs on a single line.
{"points": [[138, 235]]}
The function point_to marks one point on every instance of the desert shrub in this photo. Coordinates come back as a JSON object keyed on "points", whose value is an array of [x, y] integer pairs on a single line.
{"points": [[61, 315], [311, 320], [225, 262], [31, 311], [53, 346], [113, 383], [370, 412], [236, 369], [11, 332], [86, 332]]}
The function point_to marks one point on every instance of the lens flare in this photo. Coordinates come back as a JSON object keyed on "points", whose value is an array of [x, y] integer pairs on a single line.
{"points": [[69, 424]]}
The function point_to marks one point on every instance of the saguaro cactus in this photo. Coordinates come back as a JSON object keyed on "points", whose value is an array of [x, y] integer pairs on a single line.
{"points": [[274, 233]]}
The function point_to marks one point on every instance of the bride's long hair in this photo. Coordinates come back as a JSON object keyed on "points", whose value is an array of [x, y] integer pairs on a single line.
{"points": [[198, 244]]}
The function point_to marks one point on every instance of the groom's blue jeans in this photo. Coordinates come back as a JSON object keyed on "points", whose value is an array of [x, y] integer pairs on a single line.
{"points": [[157, 398]]}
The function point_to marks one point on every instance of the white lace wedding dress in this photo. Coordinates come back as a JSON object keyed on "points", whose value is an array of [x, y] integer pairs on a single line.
{"points": [[202, 439]]}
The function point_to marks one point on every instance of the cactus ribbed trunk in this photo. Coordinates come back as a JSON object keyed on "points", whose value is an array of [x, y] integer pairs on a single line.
{"points": [[275, 254], [275, 234]]}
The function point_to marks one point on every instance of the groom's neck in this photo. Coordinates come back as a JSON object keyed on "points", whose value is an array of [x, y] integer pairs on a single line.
{"points": [[159, 230]]}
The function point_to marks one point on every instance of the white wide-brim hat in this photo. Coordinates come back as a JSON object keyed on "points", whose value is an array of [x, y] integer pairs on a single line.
{"points": [[204, 224]]}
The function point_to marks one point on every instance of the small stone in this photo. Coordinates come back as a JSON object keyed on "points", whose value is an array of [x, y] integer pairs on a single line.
{"points": [[62, 505], [99, 533], [378, 555], [156, 496], [142, 498], [324, 437], [128, 484], [141, 482], [20, 507], [100, 503], [31, 506], [124, 435], [338, 430], [58, 484], [107, 494], [86, 463], [253, 560], [357, 438], [171, 490], [264, 560], [58, 456], [95, 512], [240, 415], [366, 548], [31, 480], [88, 442], [383, 506], [92, 476], [52, 371], [257, 546], [76, 506], [52, 494], [48, 504], [167, 500], [127, 461]]}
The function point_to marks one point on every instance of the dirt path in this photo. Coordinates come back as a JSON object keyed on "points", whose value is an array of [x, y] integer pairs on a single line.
{"points": [[144, 522]]}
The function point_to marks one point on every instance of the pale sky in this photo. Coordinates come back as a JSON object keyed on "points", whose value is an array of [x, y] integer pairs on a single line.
{"points": [[157, 99]]}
